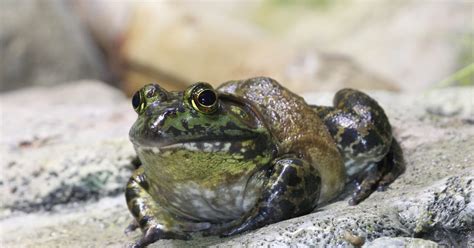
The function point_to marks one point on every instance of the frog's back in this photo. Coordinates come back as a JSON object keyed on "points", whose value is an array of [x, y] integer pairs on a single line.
{"points": [[295, 127]]}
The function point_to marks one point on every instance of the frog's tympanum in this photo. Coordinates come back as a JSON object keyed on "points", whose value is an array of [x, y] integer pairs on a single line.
{"points": [[250, 153]]}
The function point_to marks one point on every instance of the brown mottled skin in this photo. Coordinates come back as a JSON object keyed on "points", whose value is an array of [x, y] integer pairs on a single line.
{"points": [[249, 154]]}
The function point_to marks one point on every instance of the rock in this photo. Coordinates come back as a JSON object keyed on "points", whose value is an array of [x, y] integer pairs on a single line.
{"points": [[401, 242], [43, 43], [409, 45], [66, 158], [178, 44], [77, 149]]}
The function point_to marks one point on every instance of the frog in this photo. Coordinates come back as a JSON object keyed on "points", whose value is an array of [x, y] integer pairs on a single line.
{"points": [[248, 154]]}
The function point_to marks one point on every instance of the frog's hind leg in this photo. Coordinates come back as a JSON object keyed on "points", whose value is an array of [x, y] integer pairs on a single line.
{"points": [[381, 175], [363, 135], [292, 190], [155, 222]]}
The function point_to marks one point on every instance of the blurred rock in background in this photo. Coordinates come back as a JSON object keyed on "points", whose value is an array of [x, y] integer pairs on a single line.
{"points": [[43, 43], [306, 45], [314, 45]]}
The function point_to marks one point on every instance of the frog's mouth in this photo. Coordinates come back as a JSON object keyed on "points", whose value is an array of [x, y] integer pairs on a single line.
{"points": [[243, 146]]}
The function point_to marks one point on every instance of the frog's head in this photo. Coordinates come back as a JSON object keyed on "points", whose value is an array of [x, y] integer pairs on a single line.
{"points": [[198, 120]]}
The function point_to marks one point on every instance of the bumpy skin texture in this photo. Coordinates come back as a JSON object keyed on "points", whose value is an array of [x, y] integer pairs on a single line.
{"points": [[249, 154]]}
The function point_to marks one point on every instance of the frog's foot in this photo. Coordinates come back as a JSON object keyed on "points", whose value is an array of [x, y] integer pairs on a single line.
{"points": [[292, 190], [155, 222], [131, 227], [381, 175], [156, 233]]}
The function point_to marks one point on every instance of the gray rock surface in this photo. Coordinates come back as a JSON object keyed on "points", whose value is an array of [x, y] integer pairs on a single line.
{"points": [[401, 242], [66, 158], [43, 43]]}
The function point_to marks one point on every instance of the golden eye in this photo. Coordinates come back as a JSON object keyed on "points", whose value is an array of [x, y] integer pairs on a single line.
{"points": [[138, 102], [204, 98]]}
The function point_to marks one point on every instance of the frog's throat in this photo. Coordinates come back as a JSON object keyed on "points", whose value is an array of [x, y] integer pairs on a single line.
{"points": [[210, 164]]}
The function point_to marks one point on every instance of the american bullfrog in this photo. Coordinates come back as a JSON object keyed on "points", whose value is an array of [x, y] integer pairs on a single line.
{"points": [[248, 154]]}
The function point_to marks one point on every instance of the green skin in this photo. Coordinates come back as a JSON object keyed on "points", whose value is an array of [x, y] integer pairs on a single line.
{"points": [[255, 155]]}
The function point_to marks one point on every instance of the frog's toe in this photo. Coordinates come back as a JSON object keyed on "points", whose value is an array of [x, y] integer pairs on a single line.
{"points": [[233, 231], [155, 233], [364, 189], [131, 227]]}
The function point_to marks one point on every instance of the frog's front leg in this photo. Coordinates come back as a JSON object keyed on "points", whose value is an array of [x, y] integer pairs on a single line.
{"points": [[155, 222], [292, 190]]}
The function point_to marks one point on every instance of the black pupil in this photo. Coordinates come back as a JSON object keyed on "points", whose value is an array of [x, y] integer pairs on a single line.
{"points": [[136, 100], [207, 98]]}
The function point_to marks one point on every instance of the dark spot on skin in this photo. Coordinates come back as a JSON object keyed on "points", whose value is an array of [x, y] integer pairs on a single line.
{"points": [[181, 108], [306, 206], [184, 122], [289, 171], [194, 114], [174, 131], [298, 192], [293, 180], [368, 142], [135, 210], [291, 177], [200, 146], [348, 137], [235, 148], [286, 207], [233, 126], [332, 126], [149, 112], [143, 182], [144, 221], [131, 193], [312, 183], [186, 156]]}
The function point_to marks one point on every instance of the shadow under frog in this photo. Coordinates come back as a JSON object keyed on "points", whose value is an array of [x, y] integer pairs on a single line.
{"points": [[250, 153]]}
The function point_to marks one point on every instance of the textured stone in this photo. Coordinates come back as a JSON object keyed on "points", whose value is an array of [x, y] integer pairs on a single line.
{"points": [[66, 158], [401, 242]]}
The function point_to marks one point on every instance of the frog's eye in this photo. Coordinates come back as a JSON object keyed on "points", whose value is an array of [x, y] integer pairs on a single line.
{"points": [[204, 98], [138, 102]]}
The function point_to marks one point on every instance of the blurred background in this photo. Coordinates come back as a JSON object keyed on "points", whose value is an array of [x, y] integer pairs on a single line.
{"points": [[406, 45]]}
